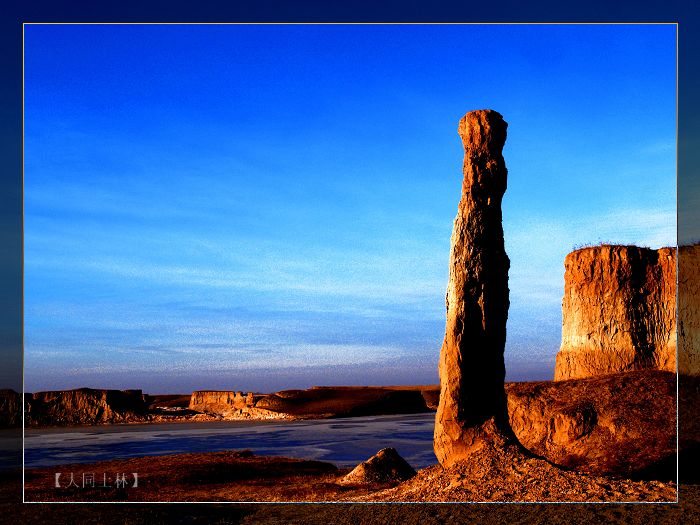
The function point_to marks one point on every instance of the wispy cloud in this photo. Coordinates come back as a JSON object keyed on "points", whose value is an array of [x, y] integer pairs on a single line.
{"points": [[274, 357]]}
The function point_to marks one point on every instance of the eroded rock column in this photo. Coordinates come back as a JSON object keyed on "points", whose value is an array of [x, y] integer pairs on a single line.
{"points": [[472, 407]]}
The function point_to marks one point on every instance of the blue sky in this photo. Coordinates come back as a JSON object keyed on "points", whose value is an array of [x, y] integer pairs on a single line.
{"points": [[258, 207]]}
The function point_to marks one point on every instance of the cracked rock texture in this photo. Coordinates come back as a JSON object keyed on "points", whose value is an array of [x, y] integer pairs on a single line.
{"points": [[689, 310], [472, 409], [617, 424], [619, 311]]}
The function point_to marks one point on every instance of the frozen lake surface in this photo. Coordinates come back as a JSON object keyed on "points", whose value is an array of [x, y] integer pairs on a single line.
{"points": [[344, 442]]}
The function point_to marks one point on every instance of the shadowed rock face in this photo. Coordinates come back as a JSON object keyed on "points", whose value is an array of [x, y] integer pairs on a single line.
{"points": [[84, 406], [10, 408], [472, 405], [350, 401], [689, 310], [619, 311]]}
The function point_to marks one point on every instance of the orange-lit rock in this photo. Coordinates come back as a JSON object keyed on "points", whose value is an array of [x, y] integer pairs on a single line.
{"points": [[472, 408], [622, 424], [619, 311], [219, 401], [85, 406]]}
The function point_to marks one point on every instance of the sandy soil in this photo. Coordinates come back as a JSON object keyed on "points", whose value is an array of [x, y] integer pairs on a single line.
{"points": [[215, 476], [12, 511], [493, 475]]}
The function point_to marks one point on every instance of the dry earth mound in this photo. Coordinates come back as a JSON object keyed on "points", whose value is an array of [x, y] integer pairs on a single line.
{"points": [[386, 466], [495, 473]]}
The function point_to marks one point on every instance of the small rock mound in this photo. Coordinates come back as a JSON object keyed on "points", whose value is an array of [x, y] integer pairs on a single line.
{"points": [[386, 466]]}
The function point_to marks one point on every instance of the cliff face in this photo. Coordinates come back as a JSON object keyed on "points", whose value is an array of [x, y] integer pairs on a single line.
{"points": [[84, 406], [231, 405], [689, 310], [619, 311], [219, 402]]}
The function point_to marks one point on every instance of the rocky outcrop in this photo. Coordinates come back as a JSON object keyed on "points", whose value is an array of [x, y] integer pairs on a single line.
{"points": [[220, 401], [348, 401], [431, 396], [10, 408], [472, 408], [231, 405], [619, 311], [88, 407], [689, 310], [84, 406], [386, 466], [623, 424]]}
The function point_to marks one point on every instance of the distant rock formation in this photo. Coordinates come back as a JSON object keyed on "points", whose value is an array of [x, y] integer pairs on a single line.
{"points": [[220, 401], [386, 466], [689, 310], [316, 402], [472, 408], [85, 406], [10, 408], [619, 311], [349, 401], [231, 405]]}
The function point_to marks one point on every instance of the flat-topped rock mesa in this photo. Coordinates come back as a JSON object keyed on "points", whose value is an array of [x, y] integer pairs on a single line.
{"points": [[619, 311], [85, 406], [231, 405], [220, 401], [350, 401], [689, 310], [318, 401]]}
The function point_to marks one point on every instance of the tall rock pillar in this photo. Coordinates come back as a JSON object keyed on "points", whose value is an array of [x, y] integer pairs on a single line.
{"points": [[473, 407]]}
